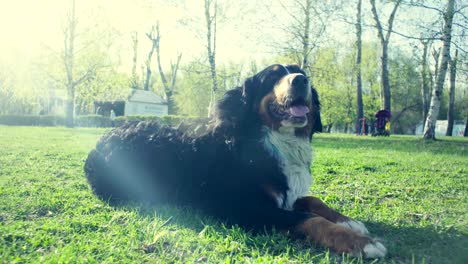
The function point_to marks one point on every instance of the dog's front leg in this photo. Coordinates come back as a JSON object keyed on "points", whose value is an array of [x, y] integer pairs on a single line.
{"points": [[314, 205], [339, 238]]}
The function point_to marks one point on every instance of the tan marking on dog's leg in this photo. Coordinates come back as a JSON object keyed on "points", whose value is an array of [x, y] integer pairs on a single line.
{"points": [[314, 205], [340, 239]]}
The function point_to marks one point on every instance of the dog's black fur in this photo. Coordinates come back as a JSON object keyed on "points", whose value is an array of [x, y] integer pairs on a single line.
{"points": [[226, 171]]}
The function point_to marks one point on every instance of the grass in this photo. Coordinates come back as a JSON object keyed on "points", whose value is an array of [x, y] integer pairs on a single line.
{"points": [[411, 194]]}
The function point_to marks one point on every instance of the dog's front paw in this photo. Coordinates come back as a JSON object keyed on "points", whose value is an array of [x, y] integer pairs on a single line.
{"points": [[358, 245], [374, 250], [354, 225]]}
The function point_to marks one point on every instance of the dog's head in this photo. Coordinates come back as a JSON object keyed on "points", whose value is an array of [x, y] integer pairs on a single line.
{"points": [[281, 97]]}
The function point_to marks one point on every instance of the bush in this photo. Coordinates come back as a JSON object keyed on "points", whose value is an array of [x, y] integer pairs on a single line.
{"points": [[51, 120], [19, 120]]}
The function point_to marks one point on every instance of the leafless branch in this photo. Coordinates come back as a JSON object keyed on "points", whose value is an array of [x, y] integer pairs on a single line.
{"points": [[434, 37], [459, 47], [463, 15], [425, 6], [460, 9], [297, 20]]}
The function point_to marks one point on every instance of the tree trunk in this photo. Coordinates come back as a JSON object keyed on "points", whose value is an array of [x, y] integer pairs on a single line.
{"points": [[465, 133], [425, 82], [148, 70], [306, 37], [450, 113], [385, 79], [70, 108], [151, 36], [69, 47], [211, 49], [429, 127], [170, 91], [359, 104], [433, 77], [384, 40], [135, 83]]}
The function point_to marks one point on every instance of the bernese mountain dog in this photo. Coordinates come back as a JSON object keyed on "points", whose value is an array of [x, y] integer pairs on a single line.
{"points": [[250, 167]]}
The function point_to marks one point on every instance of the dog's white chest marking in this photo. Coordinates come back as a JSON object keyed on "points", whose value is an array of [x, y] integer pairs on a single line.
{"points": [[295, 156]]}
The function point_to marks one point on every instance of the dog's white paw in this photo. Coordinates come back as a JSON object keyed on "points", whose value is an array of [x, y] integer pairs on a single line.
{"points": [[374, 250], [354, 225]]}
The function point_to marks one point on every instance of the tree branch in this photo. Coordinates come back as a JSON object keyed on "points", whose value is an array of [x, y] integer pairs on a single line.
{"points": [[377, 21], [391, 19]]}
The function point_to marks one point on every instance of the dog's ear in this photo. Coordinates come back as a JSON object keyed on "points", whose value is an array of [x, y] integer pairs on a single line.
{"points": [[316, 110], [248, 90], [230, 109]]}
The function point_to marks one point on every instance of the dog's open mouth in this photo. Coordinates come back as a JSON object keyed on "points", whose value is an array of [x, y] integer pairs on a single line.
{"points": [[295, 113]]}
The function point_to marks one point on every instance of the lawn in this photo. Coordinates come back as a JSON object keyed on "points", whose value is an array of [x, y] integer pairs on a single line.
{"points": [[411, 194]]}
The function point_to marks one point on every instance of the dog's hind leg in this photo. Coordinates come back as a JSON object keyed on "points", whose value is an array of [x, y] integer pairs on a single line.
{"points": [[314, 205]]}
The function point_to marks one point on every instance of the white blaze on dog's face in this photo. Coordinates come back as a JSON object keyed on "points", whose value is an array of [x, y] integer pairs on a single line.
{"points": [[289, 104], [292, 102]]}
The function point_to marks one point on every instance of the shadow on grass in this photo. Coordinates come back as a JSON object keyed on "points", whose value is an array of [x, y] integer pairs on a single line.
{"points": [[405, 244], [422, 244]]}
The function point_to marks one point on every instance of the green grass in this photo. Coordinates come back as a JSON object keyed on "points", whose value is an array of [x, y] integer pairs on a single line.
{"points": [[411, 194]]}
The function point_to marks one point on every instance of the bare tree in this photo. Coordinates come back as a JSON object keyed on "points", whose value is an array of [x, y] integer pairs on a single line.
{"points": [[384, 41], [309, 19], [451, 106], [152, 36], [429, 127], [69, 53], [168, 86], [211, 7]]}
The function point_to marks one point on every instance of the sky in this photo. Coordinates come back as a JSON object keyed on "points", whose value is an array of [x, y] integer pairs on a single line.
{"points": [[27, 27]]}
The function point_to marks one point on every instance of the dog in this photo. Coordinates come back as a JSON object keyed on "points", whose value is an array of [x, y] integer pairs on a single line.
{"points": [[251, 167]]}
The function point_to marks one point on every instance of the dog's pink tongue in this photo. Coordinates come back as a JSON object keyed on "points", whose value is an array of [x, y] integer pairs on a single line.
{"points": [[299, 110]]}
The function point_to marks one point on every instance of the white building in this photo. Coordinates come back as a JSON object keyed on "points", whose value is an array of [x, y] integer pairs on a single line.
{"points": [[142, 102], [441, 128]]}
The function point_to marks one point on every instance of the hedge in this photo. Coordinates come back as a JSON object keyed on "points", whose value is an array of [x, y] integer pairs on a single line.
{"points": [[171, 120], [88, 120], [32, 120]]}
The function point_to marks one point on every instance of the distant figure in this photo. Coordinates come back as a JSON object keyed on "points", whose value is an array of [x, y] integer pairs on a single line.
{"points": [[382, 124], [112, 116], [362, 128]]}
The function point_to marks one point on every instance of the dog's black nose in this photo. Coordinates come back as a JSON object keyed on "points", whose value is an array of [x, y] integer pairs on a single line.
{"points": [[300, 86]]}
